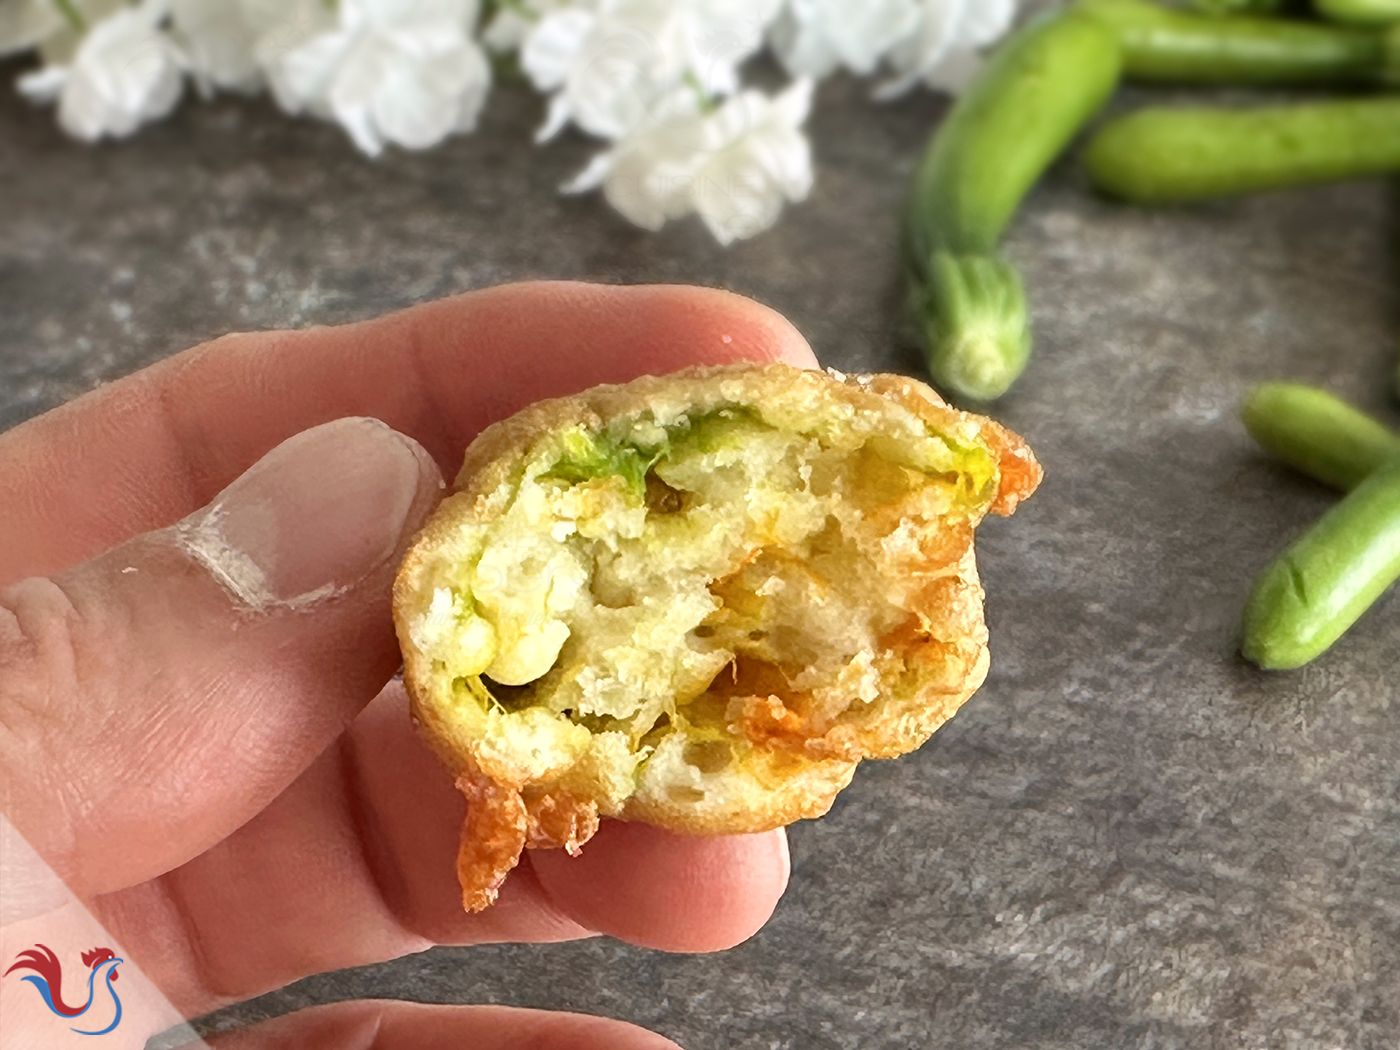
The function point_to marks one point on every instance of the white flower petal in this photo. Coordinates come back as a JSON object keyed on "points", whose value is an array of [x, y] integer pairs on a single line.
{"points": [[743, 189], [591, 177], [302, 76], [506, 31], [985, 22], [218, 41], [786, 157], [350, 94], [632, 57], [866, 29], [814, 36], [648, 174], [154, 11], [43, 86], [281, 30], [717, 36], [742, 23], [59, 47], [384, 14], [738, 118], [553, 45], [405, 72], [922, 50], [736, 166], [409, 109], [126, 72], [801, 46], [794, 105], [556, 117], [614, 60], [288, 21], [736, 200], [645, 192], [950, 33], [25, 24], [474, 69], [417, 104], [609, 96]]}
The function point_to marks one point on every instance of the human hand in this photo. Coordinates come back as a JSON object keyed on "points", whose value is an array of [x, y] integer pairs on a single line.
{"points": [[198, 561]]}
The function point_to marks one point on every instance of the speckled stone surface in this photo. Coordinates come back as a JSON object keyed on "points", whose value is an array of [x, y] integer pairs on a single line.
{"points": [[1130, 840]]}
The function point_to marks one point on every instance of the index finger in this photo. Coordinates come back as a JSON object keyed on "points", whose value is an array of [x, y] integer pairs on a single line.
{"points": [[146, 450]]}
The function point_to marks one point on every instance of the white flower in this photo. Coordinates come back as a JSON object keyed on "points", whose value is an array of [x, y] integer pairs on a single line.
{"points": [[280, 27], [400, 71], [228, 43], [735, 166], [218, 42], [125, 72], [945, 50], [29, 23], [514, 20], [611, 61], [26, 23], [814, 37]]}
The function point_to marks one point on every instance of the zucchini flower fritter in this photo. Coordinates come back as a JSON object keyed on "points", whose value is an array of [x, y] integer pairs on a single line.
{"points": [[698, 601]]}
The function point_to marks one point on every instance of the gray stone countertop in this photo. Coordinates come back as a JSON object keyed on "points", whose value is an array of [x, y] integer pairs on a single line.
{"points": [[1129, 838]]}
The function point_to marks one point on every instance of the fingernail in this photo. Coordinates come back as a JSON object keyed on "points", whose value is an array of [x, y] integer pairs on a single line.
{"points": [[315, 516]]}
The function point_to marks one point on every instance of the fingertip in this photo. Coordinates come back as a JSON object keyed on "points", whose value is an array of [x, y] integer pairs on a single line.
{"points": [[671, 892], [624, 330], [738, 328], [786, 851]]}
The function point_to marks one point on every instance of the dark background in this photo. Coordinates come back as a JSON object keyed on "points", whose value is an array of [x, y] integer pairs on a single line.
{"points": [[1130, 838]]}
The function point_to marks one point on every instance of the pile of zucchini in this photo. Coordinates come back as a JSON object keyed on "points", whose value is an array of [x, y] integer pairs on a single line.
{"points": [[1033, 98]]}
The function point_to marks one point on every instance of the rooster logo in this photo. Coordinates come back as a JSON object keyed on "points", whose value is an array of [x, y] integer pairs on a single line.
{"points": [[49, 981]]}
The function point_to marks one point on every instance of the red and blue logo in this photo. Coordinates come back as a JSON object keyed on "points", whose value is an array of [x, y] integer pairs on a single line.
{"points": [[48, 978]]}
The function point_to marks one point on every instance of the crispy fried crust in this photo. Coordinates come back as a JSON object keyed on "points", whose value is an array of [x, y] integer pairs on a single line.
{"points": [[762, 750]]}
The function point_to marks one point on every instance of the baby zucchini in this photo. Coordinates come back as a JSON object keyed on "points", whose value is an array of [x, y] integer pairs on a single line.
{"points": [[1321, 585], [1319, 434], [1240, 7], [1359, 12], [1017, 116], [1157, 155], [1166, 44]]}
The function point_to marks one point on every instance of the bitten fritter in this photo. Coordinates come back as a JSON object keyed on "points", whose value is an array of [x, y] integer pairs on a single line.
{"points": [[697, 600]]}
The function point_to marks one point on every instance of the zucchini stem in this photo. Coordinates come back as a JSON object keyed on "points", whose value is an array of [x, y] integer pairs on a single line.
{"points": [[977, 324]]}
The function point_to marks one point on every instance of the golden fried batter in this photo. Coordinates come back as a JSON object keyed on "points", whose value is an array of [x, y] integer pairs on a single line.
{"points": [[697, 600]]}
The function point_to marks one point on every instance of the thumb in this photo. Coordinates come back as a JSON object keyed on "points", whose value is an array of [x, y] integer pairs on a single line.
{"points": [[154, 699]]}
